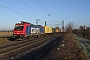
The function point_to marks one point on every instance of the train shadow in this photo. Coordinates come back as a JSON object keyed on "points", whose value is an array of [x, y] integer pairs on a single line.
{"points": [[10, 38]]}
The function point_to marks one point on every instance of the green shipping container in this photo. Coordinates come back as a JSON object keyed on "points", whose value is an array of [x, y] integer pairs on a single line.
{"points": [[53, 30], [58, 30]]}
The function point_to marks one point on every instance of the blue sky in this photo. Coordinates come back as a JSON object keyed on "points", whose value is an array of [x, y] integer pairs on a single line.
{"points": [[14, 11]]}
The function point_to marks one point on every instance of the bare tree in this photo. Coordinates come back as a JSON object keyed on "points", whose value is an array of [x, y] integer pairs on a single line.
{"points": [[69, 27]]}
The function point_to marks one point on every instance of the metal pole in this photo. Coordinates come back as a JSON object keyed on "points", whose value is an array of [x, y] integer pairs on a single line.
{"points": [[45, 23], [63, 25]]}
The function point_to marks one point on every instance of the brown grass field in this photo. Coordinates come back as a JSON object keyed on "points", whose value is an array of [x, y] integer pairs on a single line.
{"points": [[5, 34]]}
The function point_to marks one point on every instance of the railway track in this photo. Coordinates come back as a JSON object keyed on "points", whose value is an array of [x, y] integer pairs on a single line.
{"points": [[12, 43], [9, 51], [39, 54]]}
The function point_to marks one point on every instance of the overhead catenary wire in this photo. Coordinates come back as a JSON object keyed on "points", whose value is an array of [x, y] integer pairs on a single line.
{"points": [[10, 9], [53, 20], [35, 3], [10, 2], [32, 8], [35, 10], [39, 6], [42, 6]]}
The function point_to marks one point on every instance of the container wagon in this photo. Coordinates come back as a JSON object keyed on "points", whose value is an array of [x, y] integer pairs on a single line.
{"points": [[57, 30], [53, 30], [47, 30]]}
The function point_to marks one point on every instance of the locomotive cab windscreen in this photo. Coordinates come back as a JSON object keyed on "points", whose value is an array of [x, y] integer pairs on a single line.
{"points": [[19, 27]]}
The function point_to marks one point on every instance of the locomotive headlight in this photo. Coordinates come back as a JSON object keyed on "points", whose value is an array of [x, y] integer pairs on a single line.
{"points": [[14, 33]]}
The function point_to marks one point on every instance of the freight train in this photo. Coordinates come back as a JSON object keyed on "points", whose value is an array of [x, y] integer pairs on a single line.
{"points": [[27, 30]]}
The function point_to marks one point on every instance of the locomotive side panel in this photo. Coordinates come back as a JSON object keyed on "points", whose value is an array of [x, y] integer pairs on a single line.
{"points": [[21, 30], [36, 30]]}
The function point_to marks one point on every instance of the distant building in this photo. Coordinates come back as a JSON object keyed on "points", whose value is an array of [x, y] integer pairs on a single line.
{"points": [[87, 28], [84, 27], [81, 27]]}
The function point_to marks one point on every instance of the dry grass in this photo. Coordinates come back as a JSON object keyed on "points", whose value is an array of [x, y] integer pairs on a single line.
{"points": [[68, 49], [4, 40], [4, 34], [73, 49]]}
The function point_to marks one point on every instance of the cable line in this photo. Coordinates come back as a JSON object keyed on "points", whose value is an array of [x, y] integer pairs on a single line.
{"points": [[41, 5], [5, 7], [31, 8]]}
